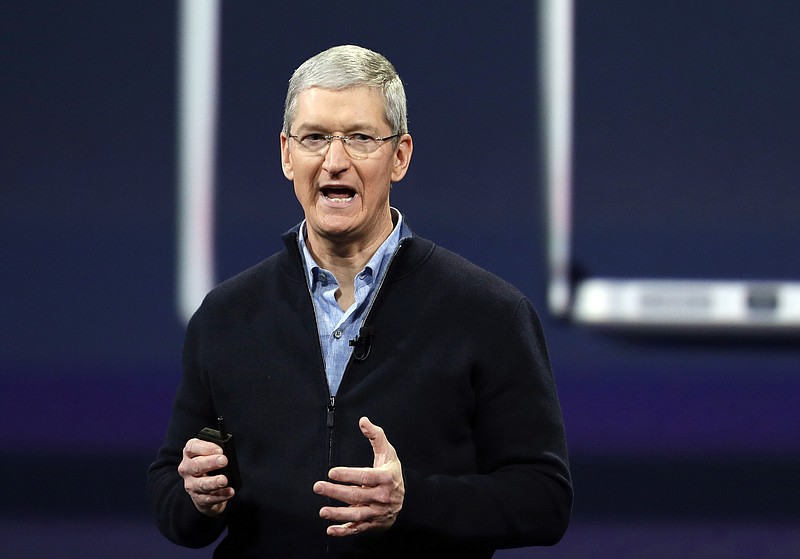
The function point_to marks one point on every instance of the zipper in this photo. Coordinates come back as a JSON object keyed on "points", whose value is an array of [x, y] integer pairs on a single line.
{"points": [[331, 398], [331, 404], [329, 422], [331, 409]]}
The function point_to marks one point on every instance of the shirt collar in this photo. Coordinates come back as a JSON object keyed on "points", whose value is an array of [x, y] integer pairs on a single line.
{"points": [[375, 266]]}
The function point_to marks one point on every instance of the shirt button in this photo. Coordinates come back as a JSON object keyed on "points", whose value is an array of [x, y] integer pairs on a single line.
{"points": [[337, 334]]}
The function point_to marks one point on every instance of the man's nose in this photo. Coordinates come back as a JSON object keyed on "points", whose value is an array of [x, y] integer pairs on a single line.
{"points": [[336, 158]]}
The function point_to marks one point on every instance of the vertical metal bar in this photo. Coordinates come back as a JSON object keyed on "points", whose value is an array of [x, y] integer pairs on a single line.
{"points": [[555, 78], [198, 36]]}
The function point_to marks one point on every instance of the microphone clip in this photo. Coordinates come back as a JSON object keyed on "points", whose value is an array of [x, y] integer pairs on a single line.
{"points": [[362, 343]]}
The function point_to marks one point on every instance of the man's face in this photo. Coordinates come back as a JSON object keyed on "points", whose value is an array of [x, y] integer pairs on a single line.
{"points": [[345, 200]]}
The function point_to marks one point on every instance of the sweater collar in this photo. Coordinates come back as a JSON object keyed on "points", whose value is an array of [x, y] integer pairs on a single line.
{"points": [[290, 237], [412, 247]]}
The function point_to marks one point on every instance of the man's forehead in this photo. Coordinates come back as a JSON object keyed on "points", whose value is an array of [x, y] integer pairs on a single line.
{"points": [[352, 106]]}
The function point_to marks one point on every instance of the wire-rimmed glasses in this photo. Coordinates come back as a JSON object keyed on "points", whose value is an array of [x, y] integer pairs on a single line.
{"points": [[357, 146]]}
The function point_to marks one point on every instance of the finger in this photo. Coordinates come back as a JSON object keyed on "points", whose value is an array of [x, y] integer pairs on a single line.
{"points": [[196, 447], [204, 485], [357, 514], [348, 529], [201, 465], [345, 493], [213, 503], [211, 484], [365, 477], [383, 450], [216, 496]]}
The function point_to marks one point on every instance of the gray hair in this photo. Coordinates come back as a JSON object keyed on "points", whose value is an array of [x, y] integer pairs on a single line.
{"points": [[348, 66]]}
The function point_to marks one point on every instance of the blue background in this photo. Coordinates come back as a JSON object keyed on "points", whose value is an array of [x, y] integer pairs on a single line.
{"points": [[687, 165]]}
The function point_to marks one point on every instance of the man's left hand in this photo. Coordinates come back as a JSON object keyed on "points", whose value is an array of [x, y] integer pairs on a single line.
{"points": [[375, 494]]}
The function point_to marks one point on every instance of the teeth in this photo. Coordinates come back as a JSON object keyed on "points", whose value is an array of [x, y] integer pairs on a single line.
{"points": [[338, 196]]}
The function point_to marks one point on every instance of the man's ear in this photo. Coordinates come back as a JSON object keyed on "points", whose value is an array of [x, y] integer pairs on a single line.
{"points": [[402, 157], [286, 158]]}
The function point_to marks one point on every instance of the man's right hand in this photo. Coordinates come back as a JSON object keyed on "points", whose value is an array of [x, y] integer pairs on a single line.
{"points": [[210, 494]]}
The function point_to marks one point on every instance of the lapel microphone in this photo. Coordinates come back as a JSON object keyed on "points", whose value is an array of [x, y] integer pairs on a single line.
{"points": [[362, 343]]}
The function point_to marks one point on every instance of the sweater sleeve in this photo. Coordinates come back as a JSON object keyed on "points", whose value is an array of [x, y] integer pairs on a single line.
{"points": [[522, 492], [177, 517]]}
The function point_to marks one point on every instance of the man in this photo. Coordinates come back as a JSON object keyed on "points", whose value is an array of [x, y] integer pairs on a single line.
{"points": [[357, 321]]}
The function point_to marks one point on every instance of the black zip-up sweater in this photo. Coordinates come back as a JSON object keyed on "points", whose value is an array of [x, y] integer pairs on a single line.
{"points": [[457, 375]]}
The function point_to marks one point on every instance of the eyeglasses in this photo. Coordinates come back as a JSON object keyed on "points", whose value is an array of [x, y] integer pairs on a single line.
{"points": [[357, 146]]}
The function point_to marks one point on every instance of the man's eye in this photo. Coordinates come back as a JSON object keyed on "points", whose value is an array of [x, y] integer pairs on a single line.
{"points": [[313, 138], [362, 138]]}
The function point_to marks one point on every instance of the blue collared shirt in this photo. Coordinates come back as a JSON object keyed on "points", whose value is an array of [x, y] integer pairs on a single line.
{"points": [[336, 327]]}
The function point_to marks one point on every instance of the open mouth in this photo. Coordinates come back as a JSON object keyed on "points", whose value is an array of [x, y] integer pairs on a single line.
{"points": [[338, 194]]}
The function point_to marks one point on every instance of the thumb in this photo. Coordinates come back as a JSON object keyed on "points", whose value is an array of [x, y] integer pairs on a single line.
{"points": [[381, 447]]}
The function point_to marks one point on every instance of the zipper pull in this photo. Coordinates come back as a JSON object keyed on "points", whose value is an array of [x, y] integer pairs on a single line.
{"points": [[331, 408]]}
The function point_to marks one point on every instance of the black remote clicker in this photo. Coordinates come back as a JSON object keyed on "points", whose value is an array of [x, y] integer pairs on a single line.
{"points": [[225, 440]]}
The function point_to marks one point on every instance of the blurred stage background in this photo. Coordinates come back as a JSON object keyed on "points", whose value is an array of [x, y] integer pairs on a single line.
{"points": [[679, 448]]}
